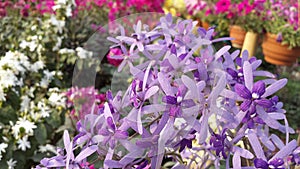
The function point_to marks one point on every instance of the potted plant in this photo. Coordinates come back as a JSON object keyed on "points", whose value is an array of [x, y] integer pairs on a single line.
{"points": [[205, 12], [177, 98], [281, 45], [244, 17]]}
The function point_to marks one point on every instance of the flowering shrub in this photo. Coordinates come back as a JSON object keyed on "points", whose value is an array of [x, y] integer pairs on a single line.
{"points": [[247, 14], [40, 42], [282, 20], [182, 109], [34, 52], [209, 11]]}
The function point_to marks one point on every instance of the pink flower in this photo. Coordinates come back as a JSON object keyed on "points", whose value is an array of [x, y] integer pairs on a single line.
{"points": [[208, 12], [222, 6], [114, 52], [87, 164], [82, 101]]}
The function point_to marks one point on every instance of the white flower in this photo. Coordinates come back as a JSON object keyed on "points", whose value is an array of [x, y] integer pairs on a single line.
{"points": [[61, 1], [58, 44], [23, 123], [7, 78], [69, 11], [37, 66], [23, 143], [24, 44], [25, 103], [66, 51], [48, 76], [47, 148], [31, 44], [44, 83], [3, 146], [2, 95], [55, 7], [44, 110], [11, 163], [58, 23], [82, 53], [57, 99]]}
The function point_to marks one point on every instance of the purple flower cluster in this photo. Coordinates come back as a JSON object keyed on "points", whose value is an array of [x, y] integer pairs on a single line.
{"points": [[167, 110]]}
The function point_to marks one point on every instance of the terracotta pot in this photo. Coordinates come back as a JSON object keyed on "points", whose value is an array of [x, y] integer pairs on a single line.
{"points": [[238, 33], [278, 54]]}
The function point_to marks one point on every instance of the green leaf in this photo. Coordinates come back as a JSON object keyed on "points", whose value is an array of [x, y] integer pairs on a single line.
{"points": [[7, 113], [41, 134]]}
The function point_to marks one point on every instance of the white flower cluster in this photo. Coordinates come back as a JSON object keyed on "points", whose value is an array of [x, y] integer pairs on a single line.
{"points": [[3, 146], [15, 68], [12, 65]]}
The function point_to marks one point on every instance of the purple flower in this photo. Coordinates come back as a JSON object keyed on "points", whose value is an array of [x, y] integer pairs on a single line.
{"points": [[277, 163], [186, 142], [219, 144], [254, 96], [176, 102], [173, 97], [279, 37]]}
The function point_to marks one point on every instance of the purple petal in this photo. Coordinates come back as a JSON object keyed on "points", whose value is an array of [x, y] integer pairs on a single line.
{"points": [[277, 141], [248, 76], [242, 91], [230, 94], [140, 46], [151, 91], [110, 123], [190, 84], [204, 129], [286, 150], [53, 162], [246, 105], [119, 134], [236, 161], [173, 61], [275, 87], [169, 99], [232, 72], [259, 88], [139, 121], [221, 39], [164, 136], [113, 164], [263, 73], [69, 148], [260, 163], [264, 103], [255, 144], [267, 119], [86, 152], [188, 103], [222, 51], [165, 84], [218, 88], [242, 152]]}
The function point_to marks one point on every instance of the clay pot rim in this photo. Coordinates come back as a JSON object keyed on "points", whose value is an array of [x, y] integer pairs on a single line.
{"points": [[274, 36], [237, 27]]}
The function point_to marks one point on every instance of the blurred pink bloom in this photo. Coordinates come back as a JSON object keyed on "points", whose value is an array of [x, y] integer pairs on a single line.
{"points": [[114, 52], [222, 6], [82, 101]]}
